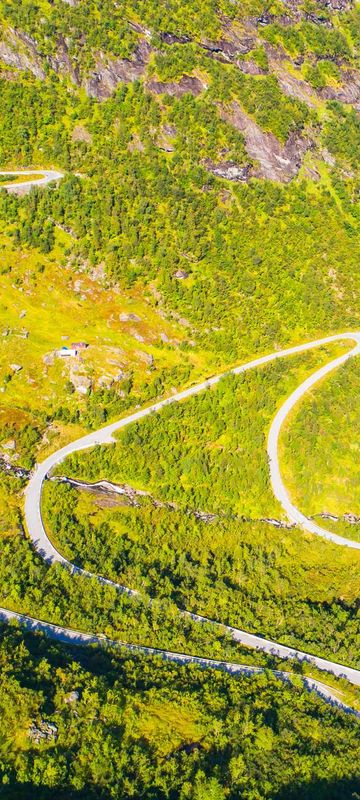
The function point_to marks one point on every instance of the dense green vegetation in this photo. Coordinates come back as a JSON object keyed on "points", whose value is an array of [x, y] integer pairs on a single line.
{"points": [[54, 594], [250, 575], [209, 454], [136, 727], [94, 24], [171, 274], [322, 440], [308, 37], [146, 216]]}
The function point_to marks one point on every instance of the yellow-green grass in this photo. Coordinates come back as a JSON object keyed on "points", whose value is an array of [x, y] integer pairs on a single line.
{"points": [[59, 302], [168, 723], [15, 179]]}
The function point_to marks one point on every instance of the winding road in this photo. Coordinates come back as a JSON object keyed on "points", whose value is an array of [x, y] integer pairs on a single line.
{"points": [[45, 177], [70, 636], [105, 435]]}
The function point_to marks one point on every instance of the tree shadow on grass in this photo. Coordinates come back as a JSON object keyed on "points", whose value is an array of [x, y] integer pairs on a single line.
{"points": [[318, 789], [321, 789], [30, 791]]}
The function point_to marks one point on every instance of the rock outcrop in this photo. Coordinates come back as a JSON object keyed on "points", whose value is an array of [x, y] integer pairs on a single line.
{"points": [[276, 162], [228, 170], [186, 84], [348, 92], [108, 73], [19, 51]]}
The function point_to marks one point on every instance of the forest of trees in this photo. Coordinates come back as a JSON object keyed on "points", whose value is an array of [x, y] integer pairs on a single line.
{"points": [[327, 426], [208, 454], [130, 727], [262, 264]]}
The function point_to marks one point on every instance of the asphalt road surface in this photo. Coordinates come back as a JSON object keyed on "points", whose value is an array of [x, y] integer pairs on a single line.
{"points": [[45, 177]]}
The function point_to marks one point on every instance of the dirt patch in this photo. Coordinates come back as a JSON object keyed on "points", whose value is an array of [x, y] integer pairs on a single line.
{"points": [[81, 134]]}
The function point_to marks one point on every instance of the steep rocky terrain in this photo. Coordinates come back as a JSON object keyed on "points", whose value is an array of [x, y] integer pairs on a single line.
{"points": [[306, 52]]}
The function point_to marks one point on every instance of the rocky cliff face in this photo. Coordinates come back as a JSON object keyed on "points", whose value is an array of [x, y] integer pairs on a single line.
{"points": [[238, 45], [275, 161], [108, 73], [20, 52]]}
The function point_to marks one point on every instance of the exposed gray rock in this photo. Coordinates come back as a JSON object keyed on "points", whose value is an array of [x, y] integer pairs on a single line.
{"points": [[81, 382], [71, 698], [290, 84], [105, 487], [19, 51], [61, 62], [275, 522], [172, 38], [338, 5], [250, 68], [181, 274], [229, 170], [186, 84], [223, 50], [276, 162], [108, 73], [237, 43], [348, 92], [129, 318], [165, 138], [43, 731], [328, 158], [147, 357], [352, 519], [10, 469], [137, 336]]}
